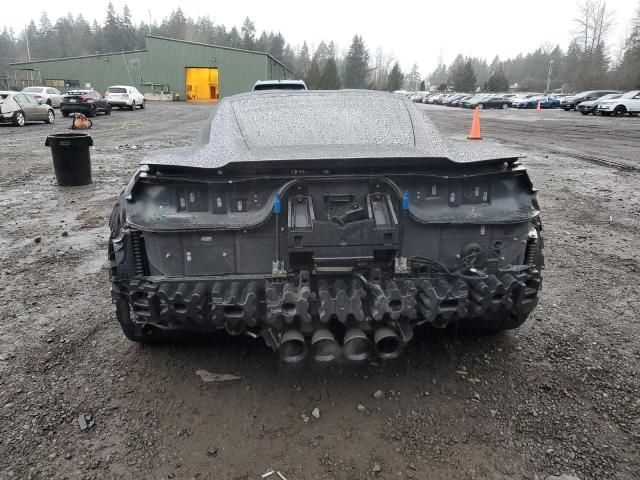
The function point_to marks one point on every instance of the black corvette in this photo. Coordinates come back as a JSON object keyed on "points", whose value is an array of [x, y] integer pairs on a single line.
{"points": [[330, 224]]}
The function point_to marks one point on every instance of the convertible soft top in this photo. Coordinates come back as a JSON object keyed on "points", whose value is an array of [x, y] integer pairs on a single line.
{"points": [[321, 125]]}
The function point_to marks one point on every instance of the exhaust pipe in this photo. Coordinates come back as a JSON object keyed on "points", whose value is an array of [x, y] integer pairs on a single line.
{"points": [[387, 343], [356, 345], [324, 348], [293, 348]]}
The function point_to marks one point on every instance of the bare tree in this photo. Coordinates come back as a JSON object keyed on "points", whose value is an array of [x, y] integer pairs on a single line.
{"points": [[594, 22]]}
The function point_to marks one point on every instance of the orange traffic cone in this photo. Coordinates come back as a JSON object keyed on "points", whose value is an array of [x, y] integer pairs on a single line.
{"points": [[538, 106], [475, 126]]}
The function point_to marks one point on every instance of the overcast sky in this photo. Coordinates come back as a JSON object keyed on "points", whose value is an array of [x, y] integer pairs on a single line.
{"points": [[411, 31]]}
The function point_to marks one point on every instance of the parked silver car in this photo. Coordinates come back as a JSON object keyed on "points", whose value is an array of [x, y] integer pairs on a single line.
{"points": [[49, 95], [19, 108]]}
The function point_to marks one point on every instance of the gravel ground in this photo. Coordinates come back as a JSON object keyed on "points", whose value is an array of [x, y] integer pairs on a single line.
{"points": [[559, 395]]}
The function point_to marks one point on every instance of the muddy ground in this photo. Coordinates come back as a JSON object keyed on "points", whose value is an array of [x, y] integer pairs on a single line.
{"points": [[559, 395]]}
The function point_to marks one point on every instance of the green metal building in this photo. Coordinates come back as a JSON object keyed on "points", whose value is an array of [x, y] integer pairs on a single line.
{"points": [[193, 71]]}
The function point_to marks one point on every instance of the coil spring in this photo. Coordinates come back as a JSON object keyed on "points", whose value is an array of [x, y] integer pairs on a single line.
{"points": [[532, 249], [138, 254]]}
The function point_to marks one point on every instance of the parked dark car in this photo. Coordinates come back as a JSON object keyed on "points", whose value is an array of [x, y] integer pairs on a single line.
{"points": [[571, 103], [88, 102], [490, 102], [330, 224], [20, 108]]}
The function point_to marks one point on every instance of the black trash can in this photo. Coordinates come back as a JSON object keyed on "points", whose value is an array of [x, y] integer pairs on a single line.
{"points": [[71, 158]]}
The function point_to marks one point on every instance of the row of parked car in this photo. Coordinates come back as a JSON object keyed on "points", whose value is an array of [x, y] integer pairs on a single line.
{"points": [[603, 102], [36, 104]]}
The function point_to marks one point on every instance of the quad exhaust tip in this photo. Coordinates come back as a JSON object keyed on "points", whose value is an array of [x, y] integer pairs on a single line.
{"points": [[387, 343], [356, 346], [293, 348], [324, 348]]}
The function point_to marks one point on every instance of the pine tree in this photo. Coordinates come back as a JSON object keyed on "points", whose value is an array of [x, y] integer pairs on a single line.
{"points": [[313, 76], [276, 49], [498, 81], [127, 31], [356, 64], [248, 33], [330, 79], [111, 31], [303, 61], [395, 78], [423, 86]]}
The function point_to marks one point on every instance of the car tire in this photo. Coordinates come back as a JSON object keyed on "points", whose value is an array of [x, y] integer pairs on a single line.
{"points": [[92, 112], [584, 112], [107, 111], [51, 118], [142, 105], [65, 114], [505, 106], [133, 106], [19, 120], [619, 111]]}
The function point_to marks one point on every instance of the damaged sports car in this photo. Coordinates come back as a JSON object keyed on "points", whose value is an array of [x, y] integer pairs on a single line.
{"points": [[330, 224]]}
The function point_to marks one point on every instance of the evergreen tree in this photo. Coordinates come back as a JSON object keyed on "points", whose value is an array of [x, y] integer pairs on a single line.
{"points": [[248, 33], [498, 81], [330, 79], [395, 78], [423, 86], [462, 76], [413, 79], [276, 49], [111, 31], [303, 61], [356, 64], [127, 31], [234, 39], [313, 76]]}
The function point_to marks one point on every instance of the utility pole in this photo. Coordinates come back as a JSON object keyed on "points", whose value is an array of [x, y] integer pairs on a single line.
{"points": [[149, 21], [549, 74], [26, 36]]}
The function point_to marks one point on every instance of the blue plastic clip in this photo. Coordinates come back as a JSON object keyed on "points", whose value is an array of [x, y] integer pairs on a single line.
{"points": [[405, 201], [276, 205]]}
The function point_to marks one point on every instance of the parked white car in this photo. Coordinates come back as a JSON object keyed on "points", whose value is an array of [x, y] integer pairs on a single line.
{"points": [[627, 103], [47, 95], [124, 96]]}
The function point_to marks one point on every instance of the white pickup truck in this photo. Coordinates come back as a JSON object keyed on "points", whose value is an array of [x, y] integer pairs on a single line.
{"points": [[627, 103]]}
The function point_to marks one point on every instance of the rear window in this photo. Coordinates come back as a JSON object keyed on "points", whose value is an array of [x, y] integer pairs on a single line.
{"points": [[280, 86], [117, 90], [316, 119]]}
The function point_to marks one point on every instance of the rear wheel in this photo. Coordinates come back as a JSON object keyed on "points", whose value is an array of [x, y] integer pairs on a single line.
{"points": [[107, 111], [133, 106], [65, 114], [92, 112], [142, 105], [619, 110], [51, 117], [584, 112], [18, 121]]}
